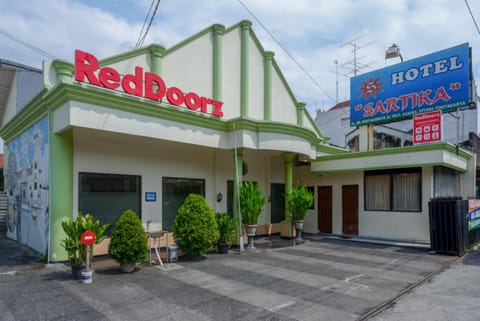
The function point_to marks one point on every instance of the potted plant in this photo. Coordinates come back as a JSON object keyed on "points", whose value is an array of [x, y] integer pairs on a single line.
{"points": [[226, 229], [129, 241], [251, 204], [299, 200], [195, 229], [74, 229]]}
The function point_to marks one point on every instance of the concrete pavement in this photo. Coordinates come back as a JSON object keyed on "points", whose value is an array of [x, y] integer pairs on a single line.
{"points": [[451, 295], [321, 279]]}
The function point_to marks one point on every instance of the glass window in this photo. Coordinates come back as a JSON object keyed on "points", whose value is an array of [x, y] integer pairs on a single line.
{"points": [[377, 192], [107, 196], [397, 190], [174, 192], [446, 182]]}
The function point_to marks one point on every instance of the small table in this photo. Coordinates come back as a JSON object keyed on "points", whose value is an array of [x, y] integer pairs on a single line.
{"points": [[154, 235]]}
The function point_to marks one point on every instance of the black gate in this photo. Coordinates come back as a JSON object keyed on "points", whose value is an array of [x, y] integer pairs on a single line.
{"points": [[448, 225]]}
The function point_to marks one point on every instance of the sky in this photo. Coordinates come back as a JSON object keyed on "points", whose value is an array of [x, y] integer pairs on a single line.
{"points": [[320, 35]]}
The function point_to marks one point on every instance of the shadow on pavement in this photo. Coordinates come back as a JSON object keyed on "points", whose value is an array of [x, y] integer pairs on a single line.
{"points": [[472, 258], [15, 254]]}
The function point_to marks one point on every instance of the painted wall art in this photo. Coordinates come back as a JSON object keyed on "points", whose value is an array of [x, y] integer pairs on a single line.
{"points": [[27, 186]]}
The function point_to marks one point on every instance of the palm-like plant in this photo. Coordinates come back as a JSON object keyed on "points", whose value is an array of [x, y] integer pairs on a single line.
{"points": [[299, 200], [73, 228], [251, 203]]}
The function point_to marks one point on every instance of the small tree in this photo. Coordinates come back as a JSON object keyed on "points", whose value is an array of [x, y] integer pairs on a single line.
{"points": [[226, 228], [129, 240], [299, 200], [251, 203], [195, 228]]}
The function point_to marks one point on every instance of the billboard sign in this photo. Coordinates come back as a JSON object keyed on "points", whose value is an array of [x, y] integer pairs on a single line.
{"points": [[427, 127], [438, 81], [473, 217]]}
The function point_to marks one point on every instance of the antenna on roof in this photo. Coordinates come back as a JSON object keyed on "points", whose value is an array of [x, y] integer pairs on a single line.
{"points": [[356, 64]]}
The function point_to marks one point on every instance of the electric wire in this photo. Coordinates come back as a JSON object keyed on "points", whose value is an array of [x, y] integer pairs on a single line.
{"points": [[29, 46], [471, 15], [140, 43], [286, 52], [144, 24]]}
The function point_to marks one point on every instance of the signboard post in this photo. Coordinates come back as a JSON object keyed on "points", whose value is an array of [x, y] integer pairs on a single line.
{"points": [[88, 238]]}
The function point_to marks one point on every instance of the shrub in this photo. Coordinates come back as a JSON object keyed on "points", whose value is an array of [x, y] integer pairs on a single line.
{"points": [[195, 228], [299, 200], [226, 228], [129, 240], [251, 203]]}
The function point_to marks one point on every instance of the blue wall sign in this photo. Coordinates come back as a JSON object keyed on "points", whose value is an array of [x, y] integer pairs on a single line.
{"points": [[150, 196], [438, 81]]}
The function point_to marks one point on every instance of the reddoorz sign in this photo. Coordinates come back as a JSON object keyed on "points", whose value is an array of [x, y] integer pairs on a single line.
{"points": [[141, 84]]}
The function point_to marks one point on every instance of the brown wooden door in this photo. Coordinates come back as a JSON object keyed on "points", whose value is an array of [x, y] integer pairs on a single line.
{"points": [[350, 209], [324, 208]]}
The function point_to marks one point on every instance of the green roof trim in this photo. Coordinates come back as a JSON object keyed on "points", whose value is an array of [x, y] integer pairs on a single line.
{"points": [[125, 56], [190, 39], [403, 150], [330, 149], [393, 166], [63, 93]]}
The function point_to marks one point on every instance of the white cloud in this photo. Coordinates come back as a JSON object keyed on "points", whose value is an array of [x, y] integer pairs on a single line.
{"points": [[311, 30]]}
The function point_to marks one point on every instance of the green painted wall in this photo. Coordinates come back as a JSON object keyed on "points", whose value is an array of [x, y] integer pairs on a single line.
{"points": [[61, 188]]}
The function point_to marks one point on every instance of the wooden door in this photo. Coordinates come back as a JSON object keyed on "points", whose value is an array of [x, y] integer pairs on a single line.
{"points": [[324, 209], [350, 209]]}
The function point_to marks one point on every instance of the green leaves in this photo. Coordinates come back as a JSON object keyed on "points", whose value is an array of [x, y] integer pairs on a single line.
{"points": [[226, 227], [299, 200], [251, 203], [129, 240], [195, 228], [73, 229]]}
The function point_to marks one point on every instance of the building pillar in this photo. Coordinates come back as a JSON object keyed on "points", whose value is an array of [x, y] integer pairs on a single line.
{"points": [[300, 113], [371, 136], [288, 163], [61, 189], [63, 71], [244, 64], [363, 139], [218, 31], [267, 85], [156, 56]]}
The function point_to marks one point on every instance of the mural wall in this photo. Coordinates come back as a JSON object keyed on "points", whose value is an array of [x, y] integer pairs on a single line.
{"points": [[27, 186]]}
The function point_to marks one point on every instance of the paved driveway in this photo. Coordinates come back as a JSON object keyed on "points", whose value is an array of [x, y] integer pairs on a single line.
{"points": [[318, 280]]}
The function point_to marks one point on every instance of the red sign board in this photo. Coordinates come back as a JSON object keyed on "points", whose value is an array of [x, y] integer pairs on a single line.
{"points": [[141, 84], [427, 127], [88, 237]]}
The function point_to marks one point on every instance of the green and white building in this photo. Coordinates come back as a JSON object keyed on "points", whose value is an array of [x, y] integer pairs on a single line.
{"points": [[142, 129]]}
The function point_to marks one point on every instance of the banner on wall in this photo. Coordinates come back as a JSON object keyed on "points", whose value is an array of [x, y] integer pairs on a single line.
{"points": [[473, 217], [438, 81], [427, 127]]}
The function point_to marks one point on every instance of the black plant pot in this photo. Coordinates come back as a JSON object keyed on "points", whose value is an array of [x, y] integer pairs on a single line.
{"points": [[222, 248], [77, 270]]}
